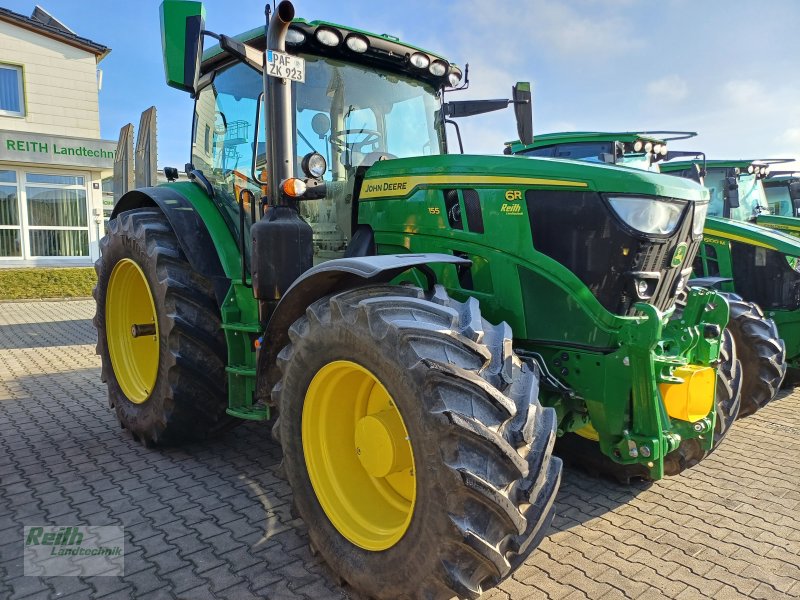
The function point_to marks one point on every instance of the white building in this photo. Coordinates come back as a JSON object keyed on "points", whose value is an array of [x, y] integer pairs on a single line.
{"points": [[52, 160]]}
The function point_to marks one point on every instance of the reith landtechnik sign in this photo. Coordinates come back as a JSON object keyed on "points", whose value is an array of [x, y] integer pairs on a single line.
{"points": [[52, 150]]}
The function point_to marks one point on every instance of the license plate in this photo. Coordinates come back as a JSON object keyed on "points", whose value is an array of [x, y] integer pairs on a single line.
{"points": [[286, 66]]}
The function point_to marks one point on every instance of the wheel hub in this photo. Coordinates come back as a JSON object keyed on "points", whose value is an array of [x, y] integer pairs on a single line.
{"points": [[381, 444]]}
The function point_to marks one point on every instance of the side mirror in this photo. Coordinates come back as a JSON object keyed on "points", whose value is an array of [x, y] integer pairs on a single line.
{"points": [[182, 25], [523, 111], [730, 192]]}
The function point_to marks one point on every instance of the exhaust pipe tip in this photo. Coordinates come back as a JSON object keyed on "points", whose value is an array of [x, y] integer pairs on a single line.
{"points": [[285, 11]]}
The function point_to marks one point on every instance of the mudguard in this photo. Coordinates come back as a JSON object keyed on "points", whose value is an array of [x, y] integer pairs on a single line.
{"points": [[327, 278], [189, 227]]}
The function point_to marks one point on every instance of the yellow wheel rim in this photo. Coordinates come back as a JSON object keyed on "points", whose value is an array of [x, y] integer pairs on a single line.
{"points": [[132, 331], [358, 455]]}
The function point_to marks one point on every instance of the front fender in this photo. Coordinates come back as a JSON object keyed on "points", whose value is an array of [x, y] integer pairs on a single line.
{"points": [[328, 278], [190, 229]]}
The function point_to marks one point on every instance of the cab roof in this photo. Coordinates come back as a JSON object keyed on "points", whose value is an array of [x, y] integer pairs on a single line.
{"points": [[741, 163], [385, 51]]}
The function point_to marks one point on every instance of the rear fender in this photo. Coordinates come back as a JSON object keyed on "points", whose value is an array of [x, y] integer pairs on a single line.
{"points": [[328, 278], [190, 229]]}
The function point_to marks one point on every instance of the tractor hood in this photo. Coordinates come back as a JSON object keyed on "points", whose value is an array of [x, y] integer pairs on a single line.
{"points": [[492, 171], [753, 235]]}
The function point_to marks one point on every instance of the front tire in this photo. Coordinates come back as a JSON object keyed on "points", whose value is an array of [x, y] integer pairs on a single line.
{"points": [[169, 385], [761, 351], [464, 492]]}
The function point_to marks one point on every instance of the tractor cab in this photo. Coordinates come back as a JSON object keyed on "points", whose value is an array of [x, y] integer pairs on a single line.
{"points": [[641, 151], [361, 98]]}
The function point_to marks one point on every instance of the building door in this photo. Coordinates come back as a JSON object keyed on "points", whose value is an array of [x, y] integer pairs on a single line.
{"points": [[10, 216], [43, 215]]}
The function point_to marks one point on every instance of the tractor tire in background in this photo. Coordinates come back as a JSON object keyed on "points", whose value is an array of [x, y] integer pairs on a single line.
{"points": [[158, 334], [761, 351], [585, 453], [414, 443]]}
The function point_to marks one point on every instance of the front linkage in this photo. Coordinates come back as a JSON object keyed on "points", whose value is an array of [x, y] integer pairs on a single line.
{"points": [[653, 392]]}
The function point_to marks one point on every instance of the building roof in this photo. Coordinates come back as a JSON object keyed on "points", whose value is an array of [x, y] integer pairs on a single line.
{"points": [[45, 24]]}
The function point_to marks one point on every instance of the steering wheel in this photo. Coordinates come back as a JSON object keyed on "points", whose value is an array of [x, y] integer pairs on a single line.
{"points": [[371, 138]]}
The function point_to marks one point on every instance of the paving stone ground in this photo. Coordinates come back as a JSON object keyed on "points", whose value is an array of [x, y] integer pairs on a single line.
{"points": [[213, 520]]}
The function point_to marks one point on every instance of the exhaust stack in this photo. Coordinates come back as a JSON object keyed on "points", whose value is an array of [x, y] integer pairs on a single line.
{"points": [[278, 104], [282, 247]]}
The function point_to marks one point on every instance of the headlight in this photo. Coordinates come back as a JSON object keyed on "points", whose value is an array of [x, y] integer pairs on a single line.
{"points": [[357, 43], [420, 60], [295, 37], [328, 37], [438, 68], [314, 165], [648, 215], [454, 77], [699, 219]]}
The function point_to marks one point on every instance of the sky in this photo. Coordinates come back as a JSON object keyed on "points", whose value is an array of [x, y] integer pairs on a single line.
{"points": [[727, 69]]}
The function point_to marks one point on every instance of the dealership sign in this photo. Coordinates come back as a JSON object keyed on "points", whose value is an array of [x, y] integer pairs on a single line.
{"points": [[53, 150]]}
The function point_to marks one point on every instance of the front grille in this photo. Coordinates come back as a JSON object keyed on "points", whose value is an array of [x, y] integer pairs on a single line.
{"points": [[580, 231]]}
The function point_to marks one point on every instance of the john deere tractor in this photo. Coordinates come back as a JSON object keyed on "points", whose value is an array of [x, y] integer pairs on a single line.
{"points": [[331, 265]]}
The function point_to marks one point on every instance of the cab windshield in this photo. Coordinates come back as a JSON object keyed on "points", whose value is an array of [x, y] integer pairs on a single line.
{"points": [[351, 114]]}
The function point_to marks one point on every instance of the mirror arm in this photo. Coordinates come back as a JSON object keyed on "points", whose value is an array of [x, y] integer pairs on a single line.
{"points": [[458, 134]]}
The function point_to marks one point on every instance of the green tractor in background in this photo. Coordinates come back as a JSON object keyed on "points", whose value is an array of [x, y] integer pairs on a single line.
{"points": [[750, 252], [329, 263], [756, 336]]}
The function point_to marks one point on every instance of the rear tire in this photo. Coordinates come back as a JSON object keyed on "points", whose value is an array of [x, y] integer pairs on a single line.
{"points": [[188, 399], [762, 353], [484, 477]]}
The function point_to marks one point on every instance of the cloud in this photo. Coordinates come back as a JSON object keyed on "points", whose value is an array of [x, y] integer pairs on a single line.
{"points": [[548, 30], [670, 88], [577, 34], [746, 93], [790, 136]]}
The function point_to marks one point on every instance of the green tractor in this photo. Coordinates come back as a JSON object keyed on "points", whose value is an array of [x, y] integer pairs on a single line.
{"points": [[330, 265], [755, 338]]}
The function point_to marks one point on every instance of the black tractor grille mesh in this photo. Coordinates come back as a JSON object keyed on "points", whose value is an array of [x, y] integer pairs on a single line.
{"points": [[580, 231]]}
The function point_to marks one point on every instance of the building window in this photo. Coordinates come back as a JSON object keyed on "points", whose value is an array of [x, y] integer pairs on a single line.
{"points": [[12, 101], [10, 238], [58, 222]]}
